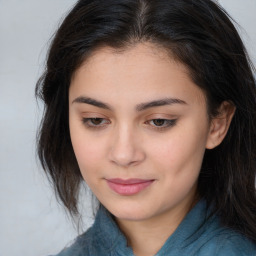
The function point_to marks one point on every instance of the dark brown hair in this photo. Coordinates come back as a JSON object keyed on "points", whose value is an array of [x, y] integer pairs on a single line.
{"points": [[199, 34]]}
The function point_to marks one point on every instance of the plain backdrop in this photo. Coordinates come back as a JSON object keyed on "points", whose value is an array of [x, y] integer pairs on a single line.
{"points": [[31, 221]]}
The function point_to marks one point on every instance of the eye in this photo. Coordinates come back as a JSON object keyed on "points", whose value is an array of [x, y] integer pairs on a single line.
{"points": [[95, 122], [158, 122], [162, 123]]}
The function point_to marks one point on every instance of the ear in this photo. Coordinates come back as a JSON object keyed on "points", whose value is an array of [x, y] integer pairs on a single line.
{"points": [[220, 124]]}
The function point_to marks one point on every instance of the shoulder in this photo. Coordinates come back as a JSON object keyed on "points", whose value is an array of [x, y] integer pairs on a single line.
{"points": [[206, 235], [102, 238], [221, 240], [211, 238], [82, 246], [236, 245], [228, 243]]}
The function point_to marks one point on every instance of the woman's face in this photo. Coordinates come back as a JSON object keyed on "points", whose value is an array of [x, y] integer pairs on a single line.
{"points": [[139, 128]]}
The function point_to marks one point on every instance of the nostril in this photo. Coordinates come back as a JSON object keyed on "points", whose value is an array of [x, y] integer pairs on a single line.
{"points": [[126, 155]]}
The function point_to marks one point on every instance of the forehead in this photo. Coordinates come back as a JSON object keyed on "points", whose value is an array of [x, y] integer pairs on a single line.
{"points": [[138, 54], [143, 70]]}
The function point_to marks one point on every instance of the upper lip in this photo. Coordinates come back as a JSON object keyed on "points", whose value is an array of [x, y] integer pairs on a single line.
{"points": [[128, 181]]}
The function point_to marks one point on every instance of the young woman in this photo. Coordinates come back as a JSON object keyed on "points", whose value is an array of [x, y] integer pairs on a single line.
{"points": [[153, 105]]}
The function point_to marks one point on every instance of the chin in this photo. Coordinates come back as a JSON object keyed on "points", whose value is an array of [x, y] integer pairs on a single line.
{"points": [[130, 213]]}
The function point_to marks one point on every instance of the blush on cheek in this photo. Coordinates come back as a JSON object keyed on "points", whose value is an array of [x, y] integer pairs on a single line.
{"points": [[86, 155], [169, 152]]}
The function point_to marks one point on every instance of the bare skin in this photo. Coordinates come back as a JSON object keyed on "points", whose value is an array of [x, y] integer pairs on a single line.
{"points": [[147, 237], [137, 115]]}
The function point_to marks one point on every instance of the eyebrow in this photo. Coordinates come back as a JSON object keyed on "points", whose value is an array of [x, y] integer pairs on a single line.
{"points": [[159, 103], [91, 101], [139, 107]]}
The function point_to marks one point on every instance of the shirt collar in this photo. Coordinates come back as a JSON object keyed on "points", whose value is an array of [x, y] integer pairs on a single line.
{"points": [[112, 239]]}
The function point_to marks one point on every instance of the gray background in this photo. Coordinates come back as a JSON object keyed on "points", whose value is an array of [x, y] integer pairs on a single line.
{"points": [[31, 222]]}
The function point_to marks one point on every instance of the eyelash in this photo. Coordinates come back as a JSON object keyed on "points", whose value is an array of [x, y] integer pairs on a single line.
{"points": [[168, 123], [88, 123]]}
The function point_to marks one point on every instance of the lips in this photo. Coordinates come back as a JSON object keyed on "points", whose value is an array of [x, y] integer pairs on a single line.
{"points": [[128, 187]]}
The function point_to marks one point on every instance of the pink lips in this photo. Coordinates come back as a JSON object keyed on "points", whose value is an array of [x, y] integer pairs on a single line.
{"points": [[128, 187]]}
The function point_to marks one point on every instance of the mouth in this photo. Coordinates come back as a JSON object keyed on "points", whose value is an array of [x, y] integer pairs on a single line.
{"points": [[128, 187]]}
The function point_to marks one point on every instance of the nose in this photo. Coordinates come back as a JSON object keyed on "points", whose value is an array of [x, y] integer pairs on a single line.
{"points": [[126, 149]]}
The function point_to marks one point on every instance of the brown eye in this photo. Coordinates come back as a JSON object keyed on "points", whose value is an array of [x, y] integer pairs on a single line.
{"points": [[96, 121], [159, 122]]}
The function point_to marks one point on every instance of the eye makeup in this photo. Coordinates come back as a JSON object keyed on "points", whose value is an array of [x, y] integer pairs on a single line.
{"points": [[159, 124]]}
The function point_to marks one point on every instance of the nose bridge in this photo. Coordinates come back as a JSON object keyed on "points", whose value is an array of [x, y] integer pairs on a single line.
{"points": [[125, 149]]}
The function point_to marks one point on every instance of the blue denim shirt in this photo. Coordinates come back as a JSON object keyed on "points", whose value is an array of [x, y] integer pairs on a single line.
{"points": [[195, 236]]}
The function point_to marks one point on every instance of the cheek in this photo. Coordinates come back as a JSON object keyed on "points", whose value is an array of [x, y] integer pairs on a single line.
{"points": [[181, 153], [88, 158], [87, 152], [178, 162]]}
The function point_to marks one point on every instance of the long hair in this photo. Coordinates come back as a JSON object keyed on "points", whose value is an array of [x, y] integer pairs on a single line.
{"points": [[197, 33]]}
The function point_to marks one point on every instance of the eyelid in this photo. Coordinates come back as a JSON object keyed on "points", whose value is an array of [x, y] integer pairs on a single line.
{"points": [[93, 115], [168, 120], [87, 121], [161, 116], [168, 123]]}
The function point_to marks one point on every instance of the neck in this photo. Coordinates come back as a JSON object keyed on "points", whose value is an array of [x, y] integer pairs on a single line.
{"points": [[147, 237]]}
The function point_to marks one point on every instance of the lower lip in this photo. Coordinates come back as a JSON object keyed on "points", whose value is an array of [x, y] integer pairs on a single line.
{"points": [[129, 189]]}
